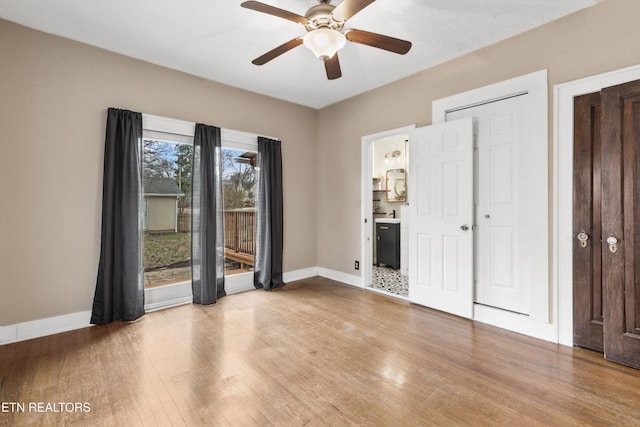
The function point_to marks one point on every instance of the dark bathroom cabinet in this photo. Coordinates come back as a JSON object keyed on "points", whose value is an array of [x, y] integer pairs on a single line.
{"points": [[388, 244]]}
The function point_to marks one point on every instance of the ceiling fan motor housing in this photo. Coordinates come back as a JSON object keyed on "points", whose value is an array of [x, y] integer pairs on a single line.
{"points": [[320, 16]]}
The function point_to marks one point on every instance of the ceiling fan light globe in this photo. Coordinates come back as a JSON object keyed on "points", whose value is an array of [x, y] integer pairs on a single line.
{"points": [[324, 42]]}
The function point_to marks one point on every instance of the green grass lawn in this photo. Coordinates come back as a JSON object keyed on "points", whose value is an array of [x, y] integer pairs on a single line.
{"points": [[166, 250]]}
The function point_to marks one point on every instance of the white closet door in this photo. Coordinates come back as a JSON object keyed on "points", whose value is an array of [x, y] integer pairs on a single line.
{"points": [[502, 273], [440, 191]]}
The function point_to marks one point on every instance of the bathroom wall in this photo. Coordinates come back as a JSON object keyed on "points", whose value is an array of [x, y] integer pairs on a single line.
{"points": [[380, 167]]}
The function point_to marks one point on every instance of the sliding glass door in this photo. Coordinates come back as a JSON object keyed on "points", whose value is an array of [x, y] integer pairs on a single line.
{"points": [[166, 212], [240, 179], [167, 169]]}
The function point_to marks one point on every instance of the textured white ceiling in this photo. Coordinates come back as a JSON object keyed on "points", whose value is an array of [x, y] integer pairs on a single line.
{"points": [[217, 39]]}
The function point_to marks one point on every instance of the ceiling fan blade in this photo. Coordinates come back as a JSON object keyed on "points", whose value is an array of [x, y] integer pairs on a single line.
{"points": [[275, 11], [332, 66], [348, 8], [380, 41], [274, 53]]}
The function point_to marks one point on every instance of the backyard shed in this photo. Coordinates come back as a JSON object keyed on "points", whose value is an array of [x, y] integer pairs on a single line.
{"points": [[161, 204]]}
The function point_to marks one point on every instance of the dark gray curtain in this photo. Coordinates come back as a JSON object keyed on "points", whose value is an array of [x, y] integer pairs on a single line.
{"points": [[269, 218], [119, 291], [207, 229]]}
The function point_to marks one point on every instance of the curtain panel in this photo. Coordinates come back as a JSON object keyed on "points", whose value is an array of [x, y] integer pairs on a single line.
{"points": [[119, 293], [269, 220], [207, 229]]}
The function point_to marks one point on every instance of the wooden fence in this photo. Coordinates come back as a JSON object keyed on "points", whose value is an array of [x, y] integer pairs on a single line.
{"points": [[184, 222]]}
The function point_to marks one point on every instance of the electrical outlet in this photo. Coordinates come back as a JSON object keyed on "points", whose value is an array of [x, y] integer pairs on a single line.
{"points": [[357, 266]]}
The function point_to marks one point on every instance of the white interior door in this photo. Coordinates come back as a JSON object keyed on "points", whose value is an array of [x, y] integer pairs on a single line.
{"points": [[440, 191], [502, 273]]}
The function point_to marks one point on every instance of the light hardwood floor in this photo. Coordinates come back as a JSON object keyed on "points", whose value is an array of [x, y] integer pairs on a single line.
{"points": [[313, 353]]}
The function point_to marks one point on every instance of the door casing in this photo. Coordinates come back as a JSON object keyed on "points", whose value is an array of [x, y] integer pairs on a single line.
{"points": [[366, 201]]}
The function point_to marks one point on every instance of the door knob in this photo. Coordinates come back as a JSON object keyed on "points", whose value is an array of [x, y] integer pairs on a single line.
{"points": [[613, 244], [582, 238], [464, 227]]}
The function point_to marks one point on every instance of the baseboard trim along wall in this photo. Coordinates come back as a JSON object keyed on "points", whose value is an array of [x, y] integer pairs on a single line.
{"points": [[305, 273], [173, 295], [515, 322], [43, 327], [155, 299], [339, 276]]}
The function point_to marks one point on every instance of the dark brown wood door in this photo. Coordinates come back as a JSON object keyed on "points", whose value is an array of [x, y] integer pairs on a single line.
{"points": [[587, 255], [621, 221]]}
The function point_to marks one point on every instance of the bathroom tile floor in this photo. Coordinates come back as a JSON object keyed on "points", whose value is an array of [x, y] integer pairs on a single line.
{"points": [[390, 280]]}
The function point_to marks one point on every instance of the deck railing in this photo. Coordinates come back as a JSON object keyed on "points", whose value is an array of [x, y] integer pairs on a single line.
{"points": [[239, 230]]}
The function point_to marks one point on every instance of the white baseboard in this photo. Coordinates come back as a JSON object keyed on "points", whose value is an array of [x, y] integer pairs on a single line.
{"points": [[339, 276], [305, 273], [172, 295], [155, 299], [514, 322], [42, 327]]}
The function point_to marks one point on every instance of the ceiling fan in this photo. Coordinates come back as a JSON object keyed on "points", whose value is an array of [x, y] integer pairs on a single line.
{"points": [[326, 34]]}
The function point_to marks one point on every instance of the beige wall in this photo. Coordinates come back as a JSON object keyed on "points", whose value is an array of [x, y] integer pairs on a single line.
{"points": [[595, 40], [53, 99], [54, 94]]}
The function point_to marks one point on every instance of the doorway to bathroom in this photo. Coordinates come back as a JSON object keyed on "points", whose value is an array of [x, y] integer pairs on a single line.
{"points": [[384, 190]]}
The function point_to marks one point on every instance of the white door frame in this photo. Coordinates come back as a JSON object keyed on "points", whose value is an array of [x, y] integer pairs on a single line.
{"points": [[539, 322], [563, 189], [366, 204]]}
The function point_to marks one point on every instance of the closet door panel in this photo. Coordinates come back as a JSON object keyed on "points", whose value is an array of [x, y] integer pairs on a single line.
{"points": [[620, 221], [587, 256]]}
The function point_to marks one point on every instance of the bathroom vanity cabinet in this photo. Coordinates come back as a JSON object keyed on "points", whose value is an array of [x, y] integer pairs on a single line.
{"points": [[388, 244]]}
